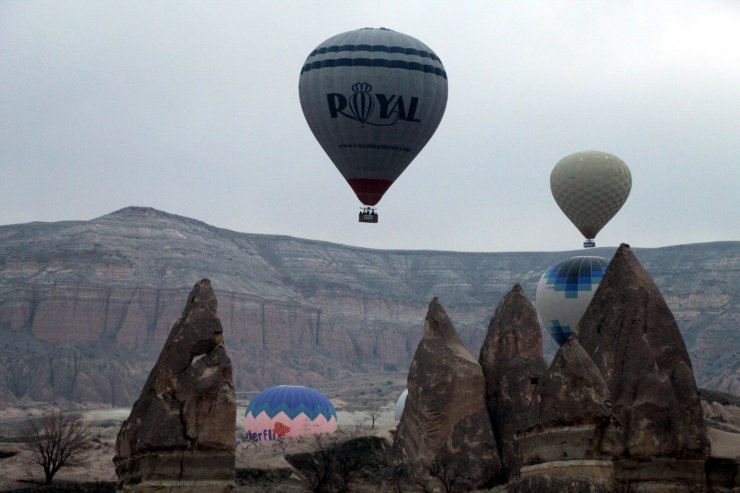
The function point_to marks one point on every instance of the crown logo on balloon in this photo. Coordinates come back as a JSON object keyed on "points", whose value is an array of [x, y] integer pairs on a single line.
{"points": [[361, 103], [362, 87]]}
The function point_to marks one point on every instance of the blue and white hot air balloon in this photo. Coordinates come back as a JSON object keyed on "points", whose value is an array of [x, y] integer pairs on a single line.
{"points": [[565, 291]]}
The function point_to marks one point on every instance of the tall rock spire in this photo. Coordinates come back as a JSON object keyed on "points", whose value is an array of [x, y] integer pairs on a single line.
{"points": [[632, 337], [445, 421], [180, 433], [513, 363]]}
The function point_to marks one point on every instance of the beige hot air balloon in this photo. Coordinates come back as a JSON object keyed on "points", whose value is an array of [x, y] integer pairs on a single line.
{"points": [[590, 187]]}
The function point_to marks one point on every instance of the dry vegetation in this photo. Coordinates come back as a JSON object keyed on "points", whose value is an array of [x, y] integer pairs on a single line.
{"points": [[353, 397]]}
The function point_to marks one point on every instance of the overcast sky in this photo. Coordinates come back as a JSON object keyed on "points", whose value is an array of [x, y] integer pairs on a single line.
{"points": [[192, 108]]}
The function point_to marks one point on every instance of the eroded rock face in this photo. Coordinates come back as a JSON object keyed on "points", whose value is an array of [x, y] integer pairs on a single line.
{"points": [[572, 418], [445, 423], [632, 337], [180, 433], [512, 362], [572, 392]]}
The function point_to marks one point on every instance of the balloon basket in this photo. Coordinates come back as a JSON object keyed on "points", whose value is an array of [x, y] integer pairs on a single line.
{"points": [[589, 244], [368, 215]]}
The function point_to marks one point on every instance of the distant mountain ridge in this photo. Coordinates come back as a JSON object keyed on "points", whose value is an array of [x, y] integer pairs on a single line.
{"points": [[86, 305]]}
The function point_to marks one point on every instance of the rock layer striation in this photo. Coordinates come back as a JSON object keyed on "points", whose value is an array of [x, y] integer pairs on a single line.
{"points": [[106, 291]]}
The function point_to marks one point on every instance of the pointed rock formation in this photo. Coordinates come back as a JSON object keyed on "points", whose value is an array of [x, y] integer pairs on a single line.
{"points": [[512, 361], [180, 433], [445, 423], [633, 339], [572, 392], [574, 433]]}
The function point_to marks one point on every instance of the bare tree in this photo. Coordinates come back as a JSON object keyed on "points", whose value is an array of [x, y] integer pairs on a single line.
{"points": [[319, 470], [447, 472], [362, 426], [345, 466], [398, 474], [373, 413], [282, 443], [58, 440]]}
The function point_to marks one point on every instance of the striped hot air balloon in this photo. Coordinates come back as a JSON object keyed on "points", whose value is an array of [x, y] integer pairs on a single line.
{"points": [[565, 291], [288, 410], [373, 98], [590, 187]]}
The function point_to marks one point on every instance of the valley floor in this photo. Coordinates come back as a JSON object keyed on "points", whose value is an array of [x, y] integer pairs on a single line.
{"points": [[352, 397]]}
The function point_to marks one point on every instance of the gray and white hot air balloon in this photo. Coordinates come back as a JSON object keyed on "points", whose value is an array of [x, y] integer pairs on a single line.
{"points": [[372, 98]]}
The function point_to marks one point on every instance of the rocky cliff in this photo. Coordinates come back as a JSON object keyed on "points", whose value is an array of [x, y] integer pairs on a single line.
{"points": [[85, 306]]}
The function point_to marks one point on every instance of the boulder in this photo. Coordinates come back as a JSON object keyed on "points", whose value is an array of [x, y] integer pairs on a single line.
{"points": [[632, 337], [512, 361], [445, 428], [180, 433]]}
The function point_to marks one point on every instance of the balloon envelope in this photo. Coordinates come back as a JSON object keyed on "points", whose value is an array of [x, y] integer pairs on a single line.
{"points": [[590, 187], [288, 410], [564, 292], [400, 405], [372, 98]]}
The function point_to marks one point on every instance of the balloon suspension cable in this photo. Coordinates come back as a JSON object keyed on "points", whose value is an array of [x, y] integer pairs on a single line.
{"points": [[368, 215], [589, 243]]}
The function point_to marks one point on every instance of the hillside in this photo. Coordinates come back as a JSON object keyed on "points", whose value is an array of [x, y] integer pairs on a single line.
{"points": [[86, 305]]}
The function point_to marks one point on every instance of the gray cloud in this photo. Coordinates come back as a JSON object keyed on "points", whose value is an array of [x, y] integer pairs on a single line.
{"points": [[192, 108]]}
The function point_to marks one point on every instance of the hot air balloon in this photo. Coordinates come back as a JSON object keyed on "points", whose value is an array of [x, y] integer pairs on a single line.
{"points": [[400, 405], [564, 292], [590, 187], [372, 98], [288, 410]]}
